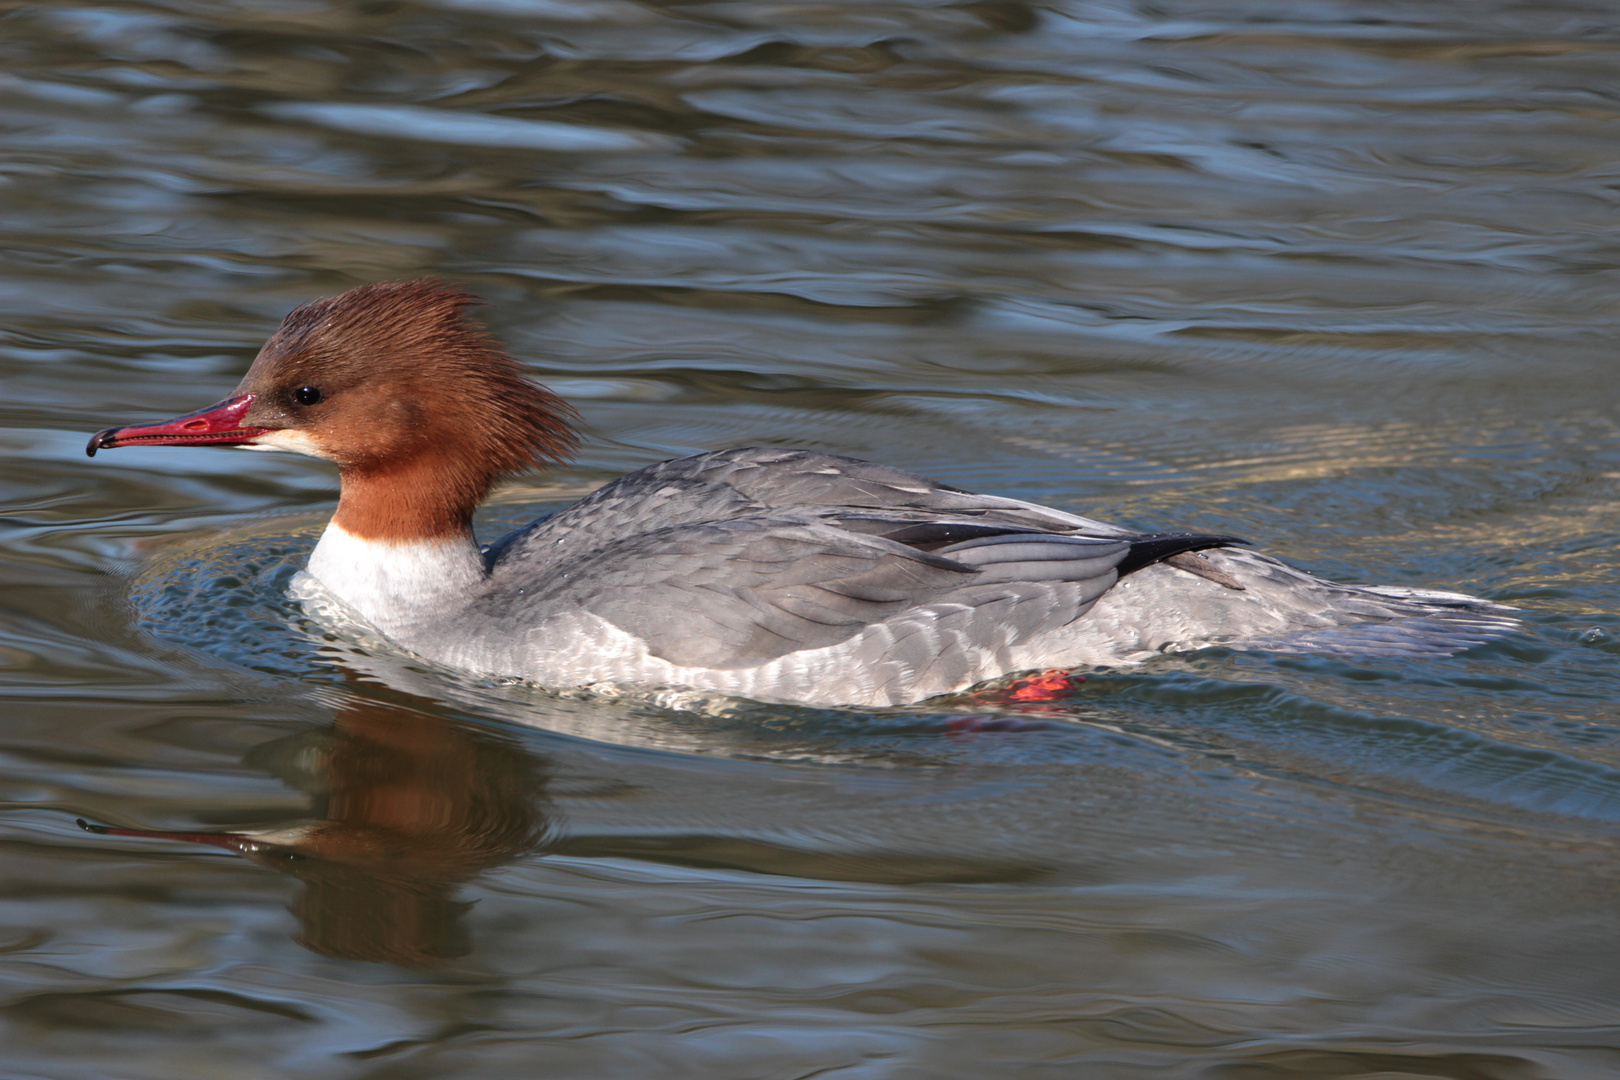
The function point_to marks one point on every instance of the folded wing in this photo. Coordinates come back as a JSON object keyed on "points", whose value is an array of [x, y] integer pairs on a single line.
{"points": [[741, 593]]}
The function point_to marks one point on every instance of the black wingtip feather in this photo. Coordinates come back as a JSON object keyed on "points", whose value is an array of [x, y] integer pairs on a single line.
{"points": [[1156, 547]]}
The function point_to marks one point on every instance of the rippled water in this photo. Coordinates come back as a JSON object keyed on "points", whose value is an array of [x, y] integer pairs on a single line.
{"points": [[1338, 277]]}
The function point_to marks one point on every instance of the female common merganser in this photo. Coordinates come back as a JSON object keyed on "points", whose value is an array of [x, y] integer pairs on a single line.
{"points": [[768, 573]]}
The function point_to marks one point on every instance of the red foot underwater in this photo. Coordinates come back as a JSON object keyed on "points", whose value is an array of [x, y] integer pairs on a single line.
{"points": [[1053, 685], [1032, 691]]}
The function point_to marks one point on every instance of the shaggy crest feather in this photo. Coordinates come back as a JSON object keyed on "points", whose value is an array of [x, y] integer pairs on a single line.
{"points": [[448, 410]]}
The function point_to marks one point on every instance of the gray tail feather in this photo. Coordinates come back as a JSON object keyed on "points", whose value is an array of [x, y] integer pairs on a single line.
{"points": [[1438, 624]]}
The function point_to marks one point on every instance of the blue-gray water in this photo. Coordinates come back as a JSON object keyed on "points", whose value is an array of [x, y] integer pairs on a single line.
{"points": [[1336, 277]]}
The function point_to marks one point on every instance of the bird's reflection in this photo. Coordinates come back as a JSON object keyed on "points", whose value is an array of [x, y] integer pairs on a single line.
{"points": [[408, 805]]}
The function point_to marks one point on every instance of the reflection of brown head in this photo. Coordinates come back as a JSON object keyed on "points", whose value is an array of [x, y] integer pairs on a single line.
{"points": [[415, 804]]}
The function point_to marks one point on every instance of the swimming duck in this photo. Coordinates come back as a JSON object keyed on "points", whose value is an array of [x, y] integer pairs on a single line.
{"points": [[780, 574]]}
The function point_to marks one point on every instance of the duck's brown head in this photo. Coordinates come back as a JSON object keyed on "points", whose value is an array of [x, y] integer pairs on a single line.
{"points": [[420, 409]]}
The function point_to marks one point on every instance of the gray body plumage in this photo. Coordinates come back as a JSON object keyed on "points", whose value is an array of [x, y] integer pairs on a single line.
{"points": [[801, 576]]}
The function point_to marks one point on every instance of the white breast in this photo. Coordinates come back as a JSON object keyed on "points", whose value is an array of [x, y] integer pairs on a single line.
{"points": [[400, 588]]}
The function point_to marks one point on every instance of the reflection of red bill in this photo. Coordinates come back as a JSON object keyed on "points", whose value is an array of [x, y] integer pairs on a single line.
{"points": [[229, 841]]}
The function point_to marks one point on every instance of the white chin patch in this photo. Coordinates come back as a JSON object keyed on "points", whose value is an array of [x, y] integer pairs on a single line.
{"points": [[288, 441]]}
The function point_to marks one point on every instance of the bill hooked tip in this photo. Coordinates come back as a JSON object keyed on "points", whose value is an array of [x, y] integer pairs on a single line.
{"points": [[101, 440]]}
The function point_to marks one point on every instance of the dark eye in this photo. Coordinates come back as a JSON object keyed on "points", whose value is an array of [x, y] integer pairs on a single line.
{"points": [[307, 395]]}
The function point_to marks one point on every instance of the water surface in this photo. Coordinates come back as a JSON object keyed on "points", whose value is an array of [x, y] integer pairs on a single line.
{"points": [[1339, 278]]}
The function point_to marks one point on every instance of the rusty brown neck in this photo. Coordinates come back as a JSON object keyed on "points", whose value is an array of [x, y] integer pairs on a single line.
{"points": [[424, 499]]}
